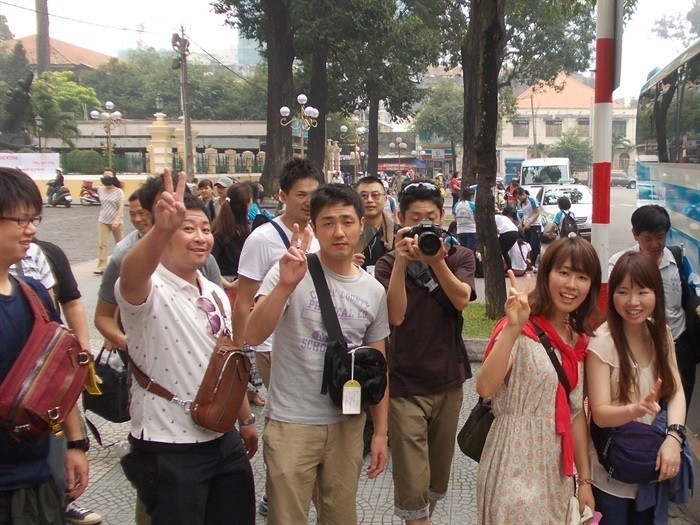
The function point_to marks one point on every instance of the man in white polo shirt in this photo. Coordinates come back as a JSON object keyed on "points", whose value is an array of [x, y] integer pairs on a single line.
{"points": [[183, 473]]}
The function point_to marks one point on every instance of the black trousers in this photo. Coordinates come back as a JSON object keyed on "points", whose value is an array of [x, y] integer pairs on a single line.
{"points": [[200, 483], [506, 241], [687, 365]]}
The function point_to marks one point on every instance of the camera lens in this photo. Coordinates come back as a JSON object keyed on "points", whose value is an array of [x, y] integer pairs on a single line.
{"points": [[429, 243]]}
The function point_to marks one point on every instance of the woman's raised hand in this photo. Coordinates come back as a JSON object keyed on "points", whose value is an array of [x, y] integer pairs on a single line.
{"points": [[517, 306]]}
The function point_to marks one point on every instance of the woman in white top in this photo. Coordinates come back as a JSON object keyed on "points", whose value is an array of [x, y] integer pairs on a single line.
{"points": [[507, 237], [631, 371], [111, 215]]}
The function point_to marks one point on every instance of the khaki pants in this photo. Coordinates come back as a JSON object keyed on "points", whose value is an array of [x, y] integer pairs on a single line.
{"points": [[297, 456], [422, 432], [263, 362], [103, 231]]}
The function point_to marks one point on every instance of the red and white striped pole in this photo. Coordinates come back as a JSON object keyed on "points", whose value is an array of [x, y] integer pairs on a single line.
{"points": [[607, 78]]}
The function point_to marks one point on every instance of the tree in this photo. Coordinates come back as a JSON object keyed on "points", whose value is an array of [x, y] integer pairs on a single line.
{"points": [[59, 100], [43, 43], [442, 113], [482, 50], [684, 29], [5, 32], [576, 147]]}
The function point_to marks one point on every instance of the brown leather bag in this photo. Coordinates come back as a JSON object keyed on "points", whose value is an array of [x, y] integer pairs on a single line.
{"points": [[220, 395], [47, 377]]}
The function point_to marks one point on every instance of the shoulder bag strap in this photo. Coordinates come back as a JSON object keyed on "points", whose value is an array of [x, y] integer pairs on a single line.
{"points": [[677, 253], [37, 306], [544, 339], [283, 235], [149, 385], [328, 314]]}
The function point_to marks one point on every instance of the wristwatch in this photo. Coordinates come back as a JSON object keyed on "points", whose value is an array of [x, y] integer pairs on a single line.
{"points": [[79, 444], [680, 429], [247, 422]]}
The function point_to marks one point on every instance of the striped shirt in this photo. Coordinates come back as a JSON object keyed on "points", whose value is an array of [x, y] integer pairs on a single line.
{"points": [[112, 205]]}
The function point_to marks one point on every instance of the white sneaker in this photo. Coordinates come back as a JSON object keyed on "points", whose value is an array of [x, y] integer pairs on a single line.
{"points": [[74, 513]]}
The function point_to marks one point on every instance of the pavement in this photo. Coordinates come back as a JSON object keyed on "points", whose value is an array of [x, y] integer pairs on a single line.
{"points": [[111, 495]]}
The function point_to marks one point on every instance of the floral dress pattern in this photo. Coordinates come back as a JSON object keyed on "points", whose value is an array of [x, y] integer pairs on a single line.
{"points": [[520, 478]]}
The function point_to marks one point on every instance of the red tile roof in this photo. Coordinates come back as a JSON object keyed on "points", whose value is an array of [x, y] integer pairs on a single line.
{"points": [[62, 53], [573, 95]]}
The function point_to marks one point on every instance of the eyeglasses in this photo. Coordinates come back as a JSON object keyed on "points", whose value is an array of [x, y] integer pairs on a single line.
{"points": [[213, 321], [375, 195], [424, 185], [23, 222]]}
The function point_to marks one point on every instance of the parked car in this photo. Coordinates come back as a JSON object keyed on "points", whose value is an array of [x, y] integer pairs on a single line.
{"points": [[620, 178], [581, 198]]}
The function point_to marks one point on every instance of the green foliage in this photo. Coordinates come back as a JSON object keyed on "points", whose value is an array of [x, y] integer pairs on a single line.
{"points": [[60, 101], [82, 161], [576, 147], [133, 84], [441, 113], [5, 32]]}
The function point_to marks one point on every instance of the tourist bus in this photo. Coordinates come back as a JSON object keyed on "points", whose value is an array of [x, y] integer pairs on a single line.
{"points": [[668, 148]]}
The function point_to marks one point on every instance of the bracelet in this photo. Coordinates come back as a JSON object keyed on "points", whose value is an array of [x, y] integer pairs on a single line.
{"points": [[676, 438], [584, 481]]}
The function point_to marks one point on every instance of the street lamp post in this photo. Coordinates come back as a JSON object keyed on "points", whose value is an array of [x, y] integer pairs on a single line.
{"points": [[109, 120], [355, 139], [39, 122], [397, 146], [417, 153], [305, 121]]}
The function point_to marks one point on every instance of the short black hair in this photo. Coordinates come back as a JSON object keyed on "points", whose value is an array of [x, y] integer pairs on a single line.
{"points": [[193, 203], [650, 218], [419, 190], [17, 189], [564, 203], [332, 194], [369, 179], [205, 183], [297, 169], [466, 194], [153, 186], [134, 196]]}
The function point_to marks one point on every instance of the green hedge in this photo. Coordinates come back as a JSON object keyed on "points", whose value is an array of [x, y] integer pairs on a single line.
{"points": [[82, 161]]}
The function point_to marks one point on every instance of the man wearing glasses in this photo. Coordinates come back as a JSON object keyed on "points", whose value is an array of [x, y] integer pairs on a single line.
{"points": [[24, 469], [378, 234], [427, 367], [183, 473]]}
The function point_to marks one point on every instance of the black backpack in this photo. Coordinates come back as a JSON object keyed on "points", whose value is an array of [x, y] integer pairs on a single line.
{"points": [[568, 225]]}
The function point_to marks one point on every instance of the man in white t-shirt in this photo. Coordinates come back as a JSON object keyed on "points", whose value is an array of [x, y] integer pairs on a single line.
{"points": [[172, 317], [308, 440], [266, 244]]}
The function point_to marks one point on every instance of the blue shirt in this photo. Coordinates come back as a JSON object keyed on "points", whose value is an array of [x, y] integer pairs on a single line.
{"points": [[23, 464]]}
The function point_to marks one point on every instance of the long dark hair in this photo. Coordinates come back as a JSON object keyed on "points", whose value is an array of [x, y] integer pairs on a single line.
{"points": [[232, 220], [583, 259], [643, 272]]}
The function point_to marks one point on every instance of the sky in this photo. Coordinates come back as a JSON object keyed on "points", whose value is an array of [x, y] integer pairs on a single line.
{"points": [[112, 26]]}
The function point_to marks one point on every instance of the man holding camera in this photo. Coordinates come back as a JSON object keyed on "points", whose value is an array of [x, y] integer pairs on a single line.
{"points": [[425, 280]]}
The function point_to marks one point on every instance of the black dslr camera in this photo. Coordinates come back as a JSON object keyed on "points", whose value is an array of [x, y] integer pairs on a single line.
{"points": [[429, 237]]}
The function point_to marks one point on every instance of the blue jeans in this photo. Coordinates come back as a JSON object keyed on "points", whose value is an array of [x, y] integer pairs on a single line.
{"points": [[620, 511], [468, 240]]}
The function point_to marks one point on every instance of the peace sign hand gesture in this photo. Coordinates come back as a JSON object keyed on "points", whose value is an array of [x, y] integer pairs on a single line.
{"points": [[517, 306], [170, 208], [293, 263]]}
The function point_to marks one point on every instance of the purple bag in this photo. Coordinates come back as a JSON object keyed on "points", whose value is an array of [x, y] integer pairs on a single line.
{"points": [[628, 452]]}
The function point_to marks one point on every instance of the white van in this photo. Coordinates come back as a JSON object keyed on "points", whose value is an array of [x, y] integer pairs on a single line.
{"points": [[554, 170]]}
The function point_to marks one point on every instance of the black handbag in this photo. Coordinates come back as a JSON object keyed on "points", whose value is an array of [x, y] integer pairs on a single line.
{"points": [[370, 364], [472, 436], [113, 403]]}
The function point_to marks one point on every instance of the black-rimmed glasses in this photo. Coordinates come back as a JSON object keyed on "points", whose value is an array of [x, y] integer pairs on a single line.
{"points": [[23, 222]]}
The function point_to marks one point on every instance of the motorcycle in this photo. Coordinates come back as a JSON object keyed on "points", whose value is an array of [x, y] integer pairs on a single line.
{"points": [[88, 194], [58, 195]]}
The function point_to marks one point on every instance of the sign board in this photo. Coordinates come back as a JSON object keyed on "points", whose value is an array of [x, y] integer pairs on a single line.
{"points": [[36, 165], [438, 153]]}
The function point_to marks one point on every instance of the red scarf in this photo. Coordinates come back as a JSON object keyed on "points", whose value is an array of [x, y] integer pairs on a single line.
{"points": [[570, 357]]}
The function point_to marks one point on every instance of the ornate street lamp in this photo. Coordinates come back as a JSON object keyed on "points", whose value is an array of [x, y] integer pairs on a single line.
{"points": [[418, 153], [305, 121], [355, 139], [38, 121], [109, 120], [397, 146]]}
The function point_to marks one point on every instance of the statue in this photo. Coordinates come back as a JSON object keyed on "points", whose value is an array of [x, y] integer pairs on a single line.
{"points": [[13, 134]]}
